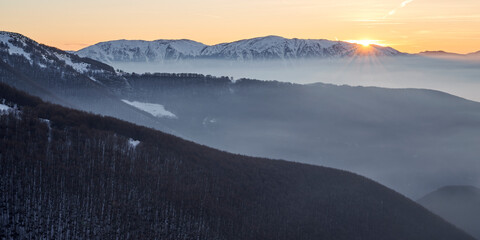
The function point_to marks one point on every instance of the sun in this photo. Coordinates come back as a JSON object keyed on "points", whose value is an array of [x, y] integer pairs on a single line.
{"points": [[366, 42]]}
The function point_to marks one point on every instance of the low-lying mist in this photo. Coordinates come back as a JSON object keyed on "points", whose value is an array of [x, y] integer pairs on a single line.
{"points": [[457, 77], [411, 141], [407, 139]]}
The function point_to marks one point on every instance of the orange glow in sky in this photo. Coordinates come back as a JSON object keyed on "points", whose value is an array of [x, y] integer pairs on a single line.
{"points": [[406, 25]]}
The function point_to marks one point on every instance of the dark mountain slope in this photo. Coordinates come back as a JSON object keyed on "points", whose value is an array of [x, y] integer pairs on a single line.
{"points": [[72, 175], [22, 81], [459, 205]]}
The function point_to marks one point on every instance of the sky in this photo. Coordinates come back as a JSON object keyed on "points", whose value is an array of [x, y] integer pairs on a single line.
{"points": [[406, 25]]}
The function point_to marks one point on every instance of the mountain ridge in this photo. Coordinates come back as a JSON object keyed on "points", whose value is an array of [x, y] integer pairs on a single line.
{"points": [[260, 48], [450, 55]]}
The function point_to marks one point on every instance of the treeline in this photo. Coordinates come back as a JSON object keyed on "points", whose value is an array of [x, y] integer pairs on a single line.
{"points": [[183, 75], [168, 81]]}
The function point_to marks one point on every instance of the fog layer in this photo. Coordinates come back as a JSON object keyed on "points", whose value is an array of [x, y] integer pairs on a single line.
{"points": [[457, 77]]}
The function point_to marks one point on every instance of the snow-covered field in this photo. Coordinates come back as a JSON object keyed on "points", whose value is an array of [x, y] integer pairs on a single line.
{"points": [[156, 110]]}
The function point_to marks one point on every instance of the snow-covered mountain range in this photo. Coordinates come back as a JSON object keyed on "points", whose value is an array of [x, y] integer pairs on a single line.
{"points": [[142, 51], [262, 48]]}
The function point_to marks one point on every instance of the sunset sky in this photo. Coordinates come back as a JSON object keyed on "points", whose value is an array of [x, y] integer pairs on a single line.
{"points": [[409, 26]]}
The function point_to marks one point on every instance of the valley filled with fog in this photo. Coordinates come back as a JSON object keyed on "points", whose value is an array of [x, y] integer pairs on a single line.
{"points": [[454, 76]]}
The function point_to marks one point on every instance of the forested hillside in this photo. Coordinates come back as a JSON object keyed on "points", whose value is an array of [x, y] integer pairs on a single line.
{"points": [[66, 174]]}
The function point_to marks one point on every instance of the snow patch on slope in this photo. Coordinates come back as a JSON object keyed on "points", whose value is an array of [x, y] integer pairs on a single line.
{"points": [[49, 125], [133, 143], [4, 107], [79, 67], [156, 110]]}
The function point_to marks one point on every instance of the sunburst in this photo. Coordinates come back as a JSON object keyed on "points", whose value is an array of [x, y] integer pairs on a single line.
{"points": [[366, 42]]}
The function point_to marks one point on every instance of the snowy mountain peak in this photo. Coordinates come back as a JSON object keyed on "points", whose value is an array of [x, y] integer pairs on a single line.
{"points": [[275, 47], [42, 56], [142, 51], [6, 36], [19, 51]]}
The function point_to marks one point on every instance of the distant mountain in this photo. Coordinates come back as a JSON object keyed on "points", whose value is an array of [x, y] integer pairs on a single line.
{"points": [[474, 54], [142, 51], [263, 48], [459, 205], [274, 47], [439, 53], [67, 174], [449, 55]]}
